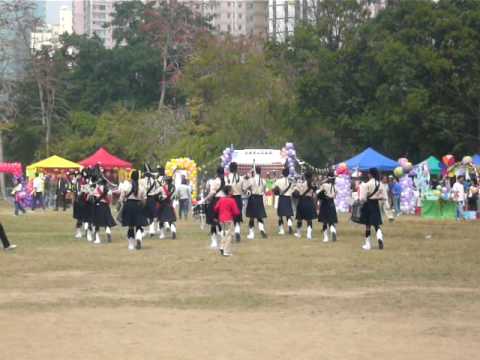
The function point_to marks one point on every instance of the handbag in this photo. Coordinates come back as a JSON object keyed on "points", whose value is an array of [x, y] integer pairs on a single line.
{"points": [[357, 207]]}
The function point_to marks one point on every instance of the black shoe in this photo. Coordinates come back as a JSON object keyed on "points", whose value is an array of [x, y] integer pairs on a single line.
{"points": [[221, 252], [334, 236], [109, 238], [237, 237], [290, 230], [174, 235], [139, 245], [380, 244], [264, 235]]}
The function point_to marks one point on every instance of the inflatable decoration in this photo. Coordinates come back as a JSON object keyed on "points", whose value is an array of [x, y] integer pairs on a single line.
{"points": [[344, 193], [14, 169], [398, 172], [448, 160], [184, 164], [226, 158], [342, 169], [408, 199]]}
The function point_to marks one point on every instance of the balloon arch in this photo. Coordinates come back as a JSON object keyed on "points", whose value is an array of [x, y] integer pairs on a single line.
{"points": [[183, 167]]}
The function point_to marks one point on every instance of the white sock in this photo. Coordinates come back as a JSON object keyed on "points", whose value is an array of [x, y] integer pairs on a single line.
{"points": [[139, 235], [162, 233], [261, 227], [108, 230], [237, 228], [379, 234], [309, 232], [289, 223], [151, 228], [173, 228], [325, 236]]}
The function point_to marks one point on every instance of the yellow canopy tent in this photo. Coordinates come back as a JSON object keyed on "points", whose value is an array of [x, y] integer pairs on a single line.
{"points": [[52, 163]]}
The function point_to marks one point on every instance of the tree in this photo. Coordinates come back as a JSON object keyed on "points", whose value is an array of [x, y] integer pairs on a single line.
{"points": [[172, 28], [234, 97]]}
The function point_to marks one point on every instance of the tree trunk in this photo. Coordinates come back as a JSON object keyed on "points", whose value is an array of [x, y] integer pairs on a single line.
{"points": [[2, 175], [163, 88]]}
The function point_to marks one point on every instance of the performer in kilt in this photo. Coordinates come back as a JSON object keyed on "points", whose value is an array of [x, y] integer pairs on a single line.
{"points": [[167, 214], [235, 181], [306, 209], [328, 212], [102, 215], [371, 192], [255, 206], [283, 188], [133, 211], [78, 185], [216, 191], [153, 187]]}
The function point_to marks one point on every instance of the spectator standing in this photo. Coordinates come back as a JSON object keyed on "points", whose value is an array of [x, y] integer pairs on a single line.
{"points": [[184, 196], [38, 191]]}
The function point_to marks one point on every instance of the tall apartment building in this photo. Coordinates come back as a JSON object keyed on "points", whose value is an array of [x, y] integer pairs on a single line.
{"points": [[283, 15], [236, 17], [90, 17], [49, 35]]}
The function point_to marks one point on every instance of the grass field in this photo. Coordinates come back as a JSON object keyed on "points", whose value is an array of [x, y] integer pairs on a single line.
{"points": [[279, 298]]}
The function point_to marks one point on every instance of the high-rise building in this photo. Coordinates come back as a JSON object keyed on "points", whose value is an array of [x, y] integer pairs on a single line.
{"points": [[282, 17], [48, 35], [235, 17], [91, 16]]}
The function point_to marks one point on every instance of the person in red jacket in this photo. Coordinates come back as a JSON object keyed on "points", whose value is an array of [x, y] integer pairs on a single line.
{"points": [[227, 210]]}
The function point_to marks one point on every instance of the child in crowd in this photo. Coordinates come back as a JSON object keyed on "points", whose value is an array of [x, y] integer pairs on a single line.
{"points": [[227, 210]]}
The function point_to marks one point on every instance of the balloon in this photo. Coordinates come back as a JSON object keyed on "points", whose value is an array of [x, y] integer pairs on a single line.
{"points": [[444, 189], [398, 172], [289, 145], [448, 160], [402, 161], [407, 166], [467, 160]]}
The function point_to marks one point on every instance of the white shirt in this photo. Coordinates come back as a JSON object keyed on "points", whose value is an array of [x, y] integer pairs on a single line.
{"points": [[458, 192], [38, 184]]}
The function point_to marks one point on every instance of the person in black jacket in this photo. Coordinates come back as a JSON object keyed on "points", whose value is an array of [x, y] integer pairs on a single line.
{"points": [[61, 187]]}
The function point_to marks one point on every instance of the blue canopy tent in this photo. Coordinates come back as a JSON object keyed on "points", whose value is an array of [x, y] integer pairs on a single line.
{"points": [[370, 158], [476, 159]]}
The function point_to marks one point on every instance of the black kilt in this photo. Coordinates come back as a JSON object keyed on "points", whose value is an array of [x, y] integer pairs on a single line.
{"points": [[133, 214], [371, 214], [255, 207], [151, 207], [328, 212], [78, 209], [285, 208], [88, 211], [239, 201], [212, 216], [102, 216], [167, 213], [306, 209]]}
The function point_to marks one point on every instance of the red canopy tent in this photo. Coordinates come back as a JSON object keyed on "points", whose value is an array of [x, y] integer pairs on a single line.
{"points": [[105, 160]]}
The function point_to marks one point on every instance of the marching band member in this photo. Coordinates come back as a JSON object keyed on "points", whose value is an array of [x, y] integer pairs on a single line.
{"points": [[236, 183], [153, 191], [284, 188], [102, 216], [371, 192], [328, 212], [255, 205], [133, 215], [167, 214], [306, 210], [216, 192]]}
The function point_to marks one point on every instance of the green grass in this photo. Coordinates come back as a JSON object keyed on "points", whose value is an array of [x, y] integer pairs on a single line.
{"points": [[413, 273]]}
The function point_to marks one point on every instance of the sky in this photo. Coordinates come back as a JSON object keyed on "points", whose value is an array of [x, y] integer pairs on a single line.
{"points": [[53, 7]]}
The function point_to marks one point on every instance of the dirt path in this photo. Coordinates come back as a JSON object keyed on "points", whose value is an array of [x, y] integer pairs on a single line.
{"points": [[155, 333]]}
